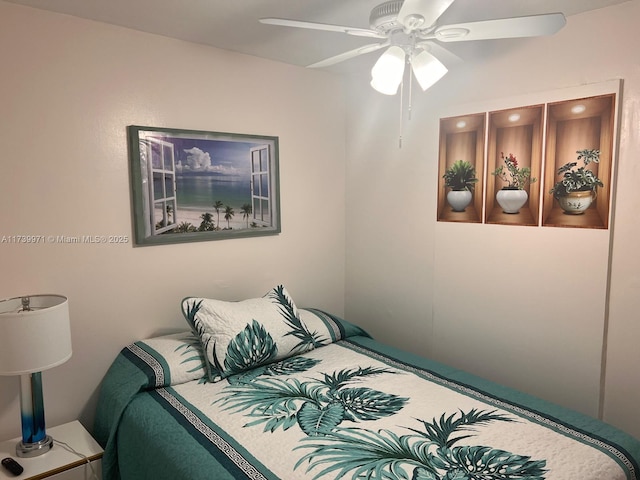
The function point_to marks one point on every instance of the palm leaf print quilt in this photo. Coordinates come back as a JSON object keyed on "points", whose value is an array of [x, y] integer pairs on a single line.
{"points": [[350, 409]]}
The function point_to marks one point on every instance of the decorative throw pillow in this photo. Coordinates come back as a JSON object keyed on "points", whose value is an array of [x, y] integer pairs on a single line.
{"points": [[238, 336]]}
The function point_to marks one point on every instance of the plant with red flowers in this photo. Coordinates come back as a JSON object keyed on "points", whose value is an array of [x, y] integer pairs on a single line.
{"points": [[519, 176]]}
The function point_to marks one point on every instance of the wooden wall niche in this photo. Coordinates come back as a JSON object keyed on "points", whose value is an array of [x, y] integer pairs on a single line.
{"points": [[586, 123], [461, 138], [517, 131]]}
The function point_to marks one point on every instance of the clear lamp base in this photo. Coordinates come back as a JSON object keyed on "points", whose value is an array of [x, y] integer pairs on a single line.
{"points": [[28, 450]]}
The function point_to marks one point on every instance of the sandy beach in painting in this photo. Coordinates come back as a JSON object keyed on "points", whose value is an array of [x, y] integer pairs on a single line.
{"points": [[193, 216]]}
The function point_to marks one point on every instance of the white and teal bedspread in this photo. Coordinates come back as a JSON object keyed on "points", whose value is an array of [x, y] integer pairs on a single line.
{"points": [[352, 409]]}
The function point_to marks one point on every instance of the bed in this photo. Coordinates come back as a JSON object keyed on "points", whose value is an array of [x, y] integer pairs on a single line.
{"points": [[348, 407]]}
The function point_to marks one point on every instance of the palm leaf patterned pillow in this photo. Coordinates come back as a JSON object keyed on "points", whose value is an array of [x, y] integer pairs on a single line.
{"points": [[238, 336]]}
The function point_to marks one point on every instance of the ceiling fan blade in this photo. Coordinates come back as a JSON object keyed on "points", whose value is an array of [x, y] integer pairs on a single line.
{"points": [[531, 26], [358, 32], [350, 54], [416, 14]]}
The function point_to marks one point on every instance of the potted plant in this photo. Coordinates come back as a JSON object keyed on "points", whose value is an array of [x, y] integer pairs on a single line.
{"points": [[512, 197], [578, 186], [460, 177]]}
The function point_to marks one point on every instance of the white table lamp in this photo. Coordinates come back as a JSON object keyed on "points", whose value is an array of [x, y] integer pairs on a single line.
{"points": [[35, 335]]}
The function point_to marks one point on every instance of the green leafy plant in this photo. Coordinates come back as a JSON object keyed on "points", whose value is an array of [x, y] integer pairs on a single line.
{"points": [[518, 176], [461, 175], [579, 179]]}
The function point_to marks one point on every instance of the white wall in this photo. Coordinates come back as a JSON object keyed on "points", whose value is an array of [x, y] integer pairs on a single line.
{"points": [[435, 288], [68, 89]]}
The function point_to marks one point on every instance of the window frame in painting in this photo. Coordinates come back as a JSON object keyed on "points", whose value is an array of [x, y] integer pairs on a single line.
{"points": [[161, 167]]}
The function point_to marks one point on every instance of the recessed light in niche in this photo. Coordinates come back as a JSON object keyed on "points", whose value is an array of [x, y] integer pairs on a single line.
{"points": [[578, 108], [514, 117], [461, 124]]}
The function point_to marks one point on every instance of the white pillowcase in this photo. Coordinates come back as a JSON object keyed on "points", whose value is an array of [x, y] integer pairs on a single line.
{"points": [[238, 336]]}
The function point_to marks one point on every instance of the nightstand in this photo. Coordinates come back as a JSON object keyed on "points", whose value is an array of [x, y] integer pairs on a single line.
{"points": [[58, 463]]}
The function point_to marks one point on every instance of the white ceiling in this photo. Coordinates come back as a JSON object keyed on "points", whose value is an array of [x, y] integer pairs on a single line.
{"points": [[233, 24]]}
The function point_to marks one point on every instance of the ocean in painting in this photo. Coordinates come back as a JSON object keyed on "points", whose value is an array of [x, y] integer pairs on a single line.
{"points": [[202, 191]]}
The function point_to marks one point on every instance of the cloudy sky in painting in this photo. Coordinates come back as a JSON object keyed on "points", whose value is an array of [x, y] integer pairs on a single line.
{"points": [[212, 157]]}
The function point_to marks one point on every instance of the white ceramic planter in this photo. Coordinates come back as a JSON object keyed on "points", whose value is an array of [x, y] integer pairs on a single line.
{"points": [[511, 201], [459, 199]]}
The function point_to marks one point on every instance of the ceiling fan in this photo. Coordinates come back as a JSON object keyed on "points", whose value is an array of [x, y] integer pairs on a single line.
{"points": [[409, 31]]}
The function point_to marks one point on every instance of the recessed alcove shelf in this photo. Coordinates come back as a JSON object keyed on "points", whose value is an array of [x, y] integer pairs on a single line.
{"points": [[516, 131], [461, 138], [542, 136], [585, 123]]}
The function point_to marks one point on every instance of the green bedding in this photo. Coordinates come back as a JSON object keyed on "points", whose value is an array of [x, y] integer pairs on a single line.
{"points": [[351, 409]]}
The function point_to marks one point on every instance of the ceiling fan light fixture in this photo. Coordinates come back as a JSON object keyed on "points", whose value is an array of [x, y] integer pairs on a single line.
{"points": [[427, 69], [387, 73]]}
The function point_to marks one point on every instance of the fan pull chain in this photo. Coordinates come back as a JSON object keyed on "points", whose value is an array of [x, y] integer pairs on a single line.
{"points": [[402, 102], [410, 89], [401, 116]]}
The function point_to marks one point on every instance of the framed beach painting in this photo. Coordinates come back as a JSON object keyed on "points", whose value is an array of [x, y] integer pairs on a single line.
{"points": [[191, 186]]}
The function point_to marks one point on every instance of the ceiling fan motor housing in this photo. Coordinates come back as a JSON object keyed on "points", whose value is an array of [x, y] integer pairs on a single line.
{"points": [[384, 17]]}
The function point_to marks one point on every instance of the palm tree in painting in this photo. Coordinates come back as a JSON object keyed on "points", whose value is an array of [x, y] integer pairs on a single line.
{"points": [[228, 215], [207, 222], [218, 205], [185, 227], [246, 212]]}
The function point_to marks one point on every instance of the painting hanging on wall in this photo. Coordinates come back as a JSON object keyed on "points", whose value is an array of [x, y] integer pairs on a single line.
{"points": [[547, 164], [190, 186]]}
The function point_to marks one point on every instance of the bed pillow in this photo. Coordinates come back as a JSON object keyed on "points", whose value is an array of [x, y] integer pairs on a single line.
{"points": [[238, 336], [169, 359], [328, 328]]}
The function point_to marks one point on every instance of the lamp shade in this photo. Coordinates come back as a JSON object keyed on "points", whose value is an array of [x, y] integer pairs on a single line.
{"points": [[387, 73], [35, 333], [427, 69]]}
